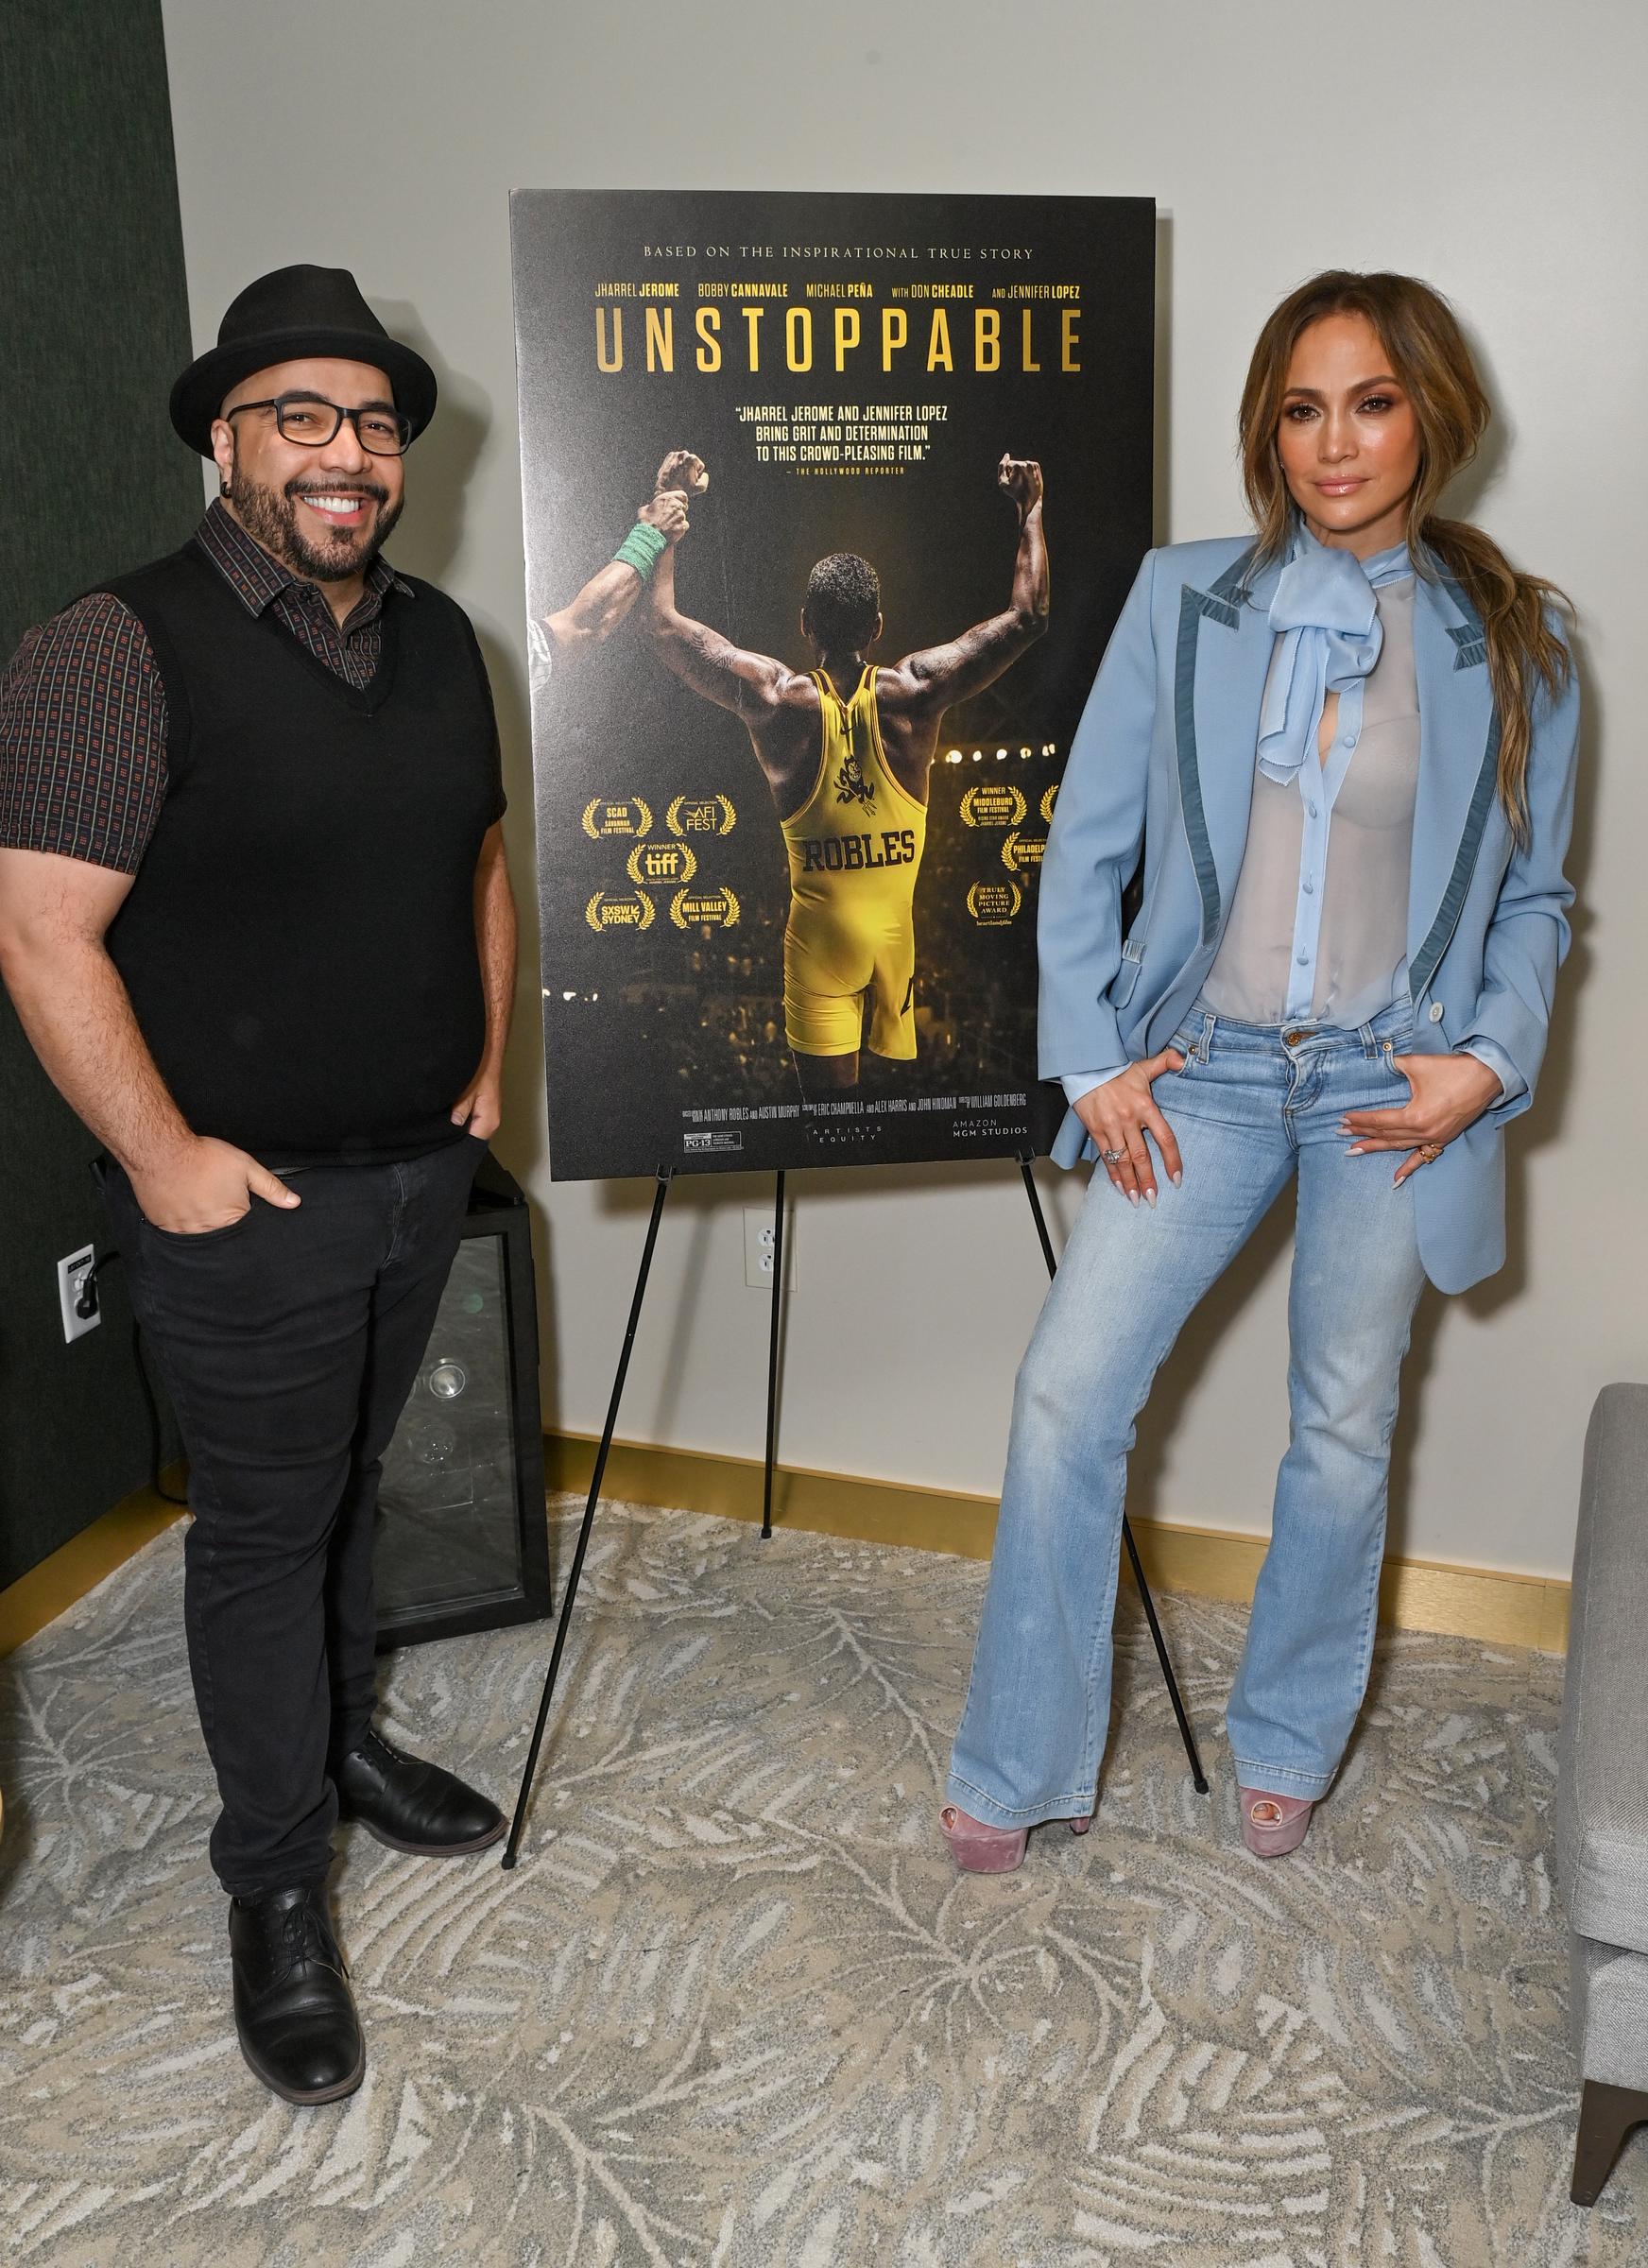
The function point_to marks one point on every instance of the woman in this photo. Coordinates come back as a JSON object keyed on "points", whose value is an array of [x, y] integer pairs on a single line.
{"points": [[1346, 748]]}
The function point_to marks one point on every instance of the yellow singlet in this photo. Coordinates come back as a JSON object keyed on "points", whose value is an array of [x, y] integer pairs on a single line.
{"points": [[855, 848]]}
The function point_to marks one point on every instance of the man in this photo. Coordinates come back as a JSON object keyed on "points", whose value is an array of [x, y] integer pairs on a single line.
{"points": [[849, 775], [590, 618], [255, 917]]}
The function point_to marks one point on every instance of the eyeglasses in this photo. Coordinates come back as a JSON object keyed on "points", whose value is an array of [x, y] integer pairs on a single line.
{"points": [[312, 422]]}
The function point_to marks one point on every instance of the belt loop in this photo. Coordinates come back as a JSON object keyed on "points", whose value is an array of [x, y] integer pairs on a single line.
{"points": [[1370, 1044], [1205, 1042]]}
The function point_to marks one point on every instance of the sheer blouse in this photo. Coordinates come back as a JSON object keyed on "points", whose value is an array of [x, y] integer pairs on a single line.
{"points": [[1317, 930]]}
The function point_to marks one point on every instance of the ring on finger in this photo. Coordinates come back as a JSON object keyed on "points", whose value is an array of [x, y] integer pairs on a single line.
{"points": [[1429, 1152], [1112, 1157]]}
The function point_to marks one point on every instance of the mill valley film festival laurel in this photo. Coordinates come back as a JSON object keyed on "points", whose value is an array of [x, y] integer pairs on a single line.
{"points": [[829, 502]]}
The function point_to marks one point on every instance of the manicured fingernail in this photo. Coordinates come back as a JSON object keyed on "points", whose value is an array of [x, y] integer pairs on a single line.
{"points": [[1150, 1196], [1132, 1197], [1354, 1151], [1177, 1179]]}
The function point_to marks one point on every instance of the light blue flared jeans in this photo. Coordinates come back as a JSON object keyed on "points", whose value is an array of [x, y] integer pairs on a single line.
{"points": [[1254, 1106]]}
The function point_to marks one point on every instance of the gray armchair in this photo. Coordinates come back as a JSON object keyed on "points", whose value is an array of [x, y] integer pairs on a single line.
{"points": [[1602, 1793]]}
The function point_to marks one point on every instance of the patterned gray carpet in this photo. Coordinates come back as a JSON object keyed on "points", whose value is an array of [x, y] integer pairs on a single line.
{"points": [[735, 2009]]}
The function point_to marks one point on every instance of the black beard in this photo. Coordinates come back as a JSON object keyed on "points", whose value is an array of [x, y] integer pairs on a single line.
{"points": [[270, 516]]}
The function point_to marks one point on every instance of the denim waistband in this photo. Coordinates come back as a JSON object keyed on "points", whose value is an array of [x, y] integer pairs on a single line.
{"points": [[1369, 1039]]}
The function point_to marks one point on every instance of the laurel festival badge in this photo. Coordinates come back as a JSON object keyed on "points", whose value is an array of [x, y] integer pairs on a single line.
{"points": [[993, 904], [702, 814], [619, 910], [706, 909], [1019, 851], [628, 815], [661, 865], [992, 803]]}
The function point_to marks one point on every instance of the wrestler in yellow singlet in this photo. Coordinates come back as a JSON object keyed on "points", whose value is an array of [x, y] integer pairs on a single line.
{"points": [[848, 778], [855, 849]]}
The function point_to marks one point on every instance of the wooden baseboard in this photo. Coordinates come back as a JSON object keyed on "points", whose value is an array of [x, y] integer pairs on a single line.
{"points": [[1415, 1594], [65, 1575]]}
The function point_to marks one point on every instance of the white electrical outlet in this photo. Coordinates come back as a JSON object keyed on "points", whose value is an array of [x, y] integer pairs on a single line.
{"points": [[72, 1274], [758, 1249]]}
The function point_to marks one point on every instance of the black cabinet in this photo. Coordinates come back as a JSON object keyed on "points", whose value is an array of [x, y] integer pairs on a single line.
{"points": [[462, 1541]]}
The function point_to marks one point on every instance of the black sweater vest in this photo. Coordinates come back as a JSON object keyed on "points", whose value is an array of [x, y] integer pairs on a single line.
{"points": [[300, 941]]}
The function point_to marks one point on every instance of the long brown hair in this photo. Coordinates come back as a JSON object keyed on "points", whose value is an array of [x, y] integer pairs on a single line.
{"points": [[1428, 355]]}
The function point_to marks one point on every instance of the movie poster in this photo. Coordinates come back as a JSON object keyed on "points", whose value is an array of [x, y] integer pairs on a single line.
{"points": [[831, 504]]}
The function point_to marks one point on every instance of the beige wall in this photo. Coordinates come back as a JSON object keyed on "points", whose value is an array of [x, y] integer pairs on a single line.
{"points": [[1496, 149]]}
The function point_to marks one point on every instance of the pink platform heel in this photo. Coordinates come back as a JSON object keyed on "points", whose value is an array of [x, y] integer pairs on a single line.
{"points": [[979, 1848], [1273, 1825]]}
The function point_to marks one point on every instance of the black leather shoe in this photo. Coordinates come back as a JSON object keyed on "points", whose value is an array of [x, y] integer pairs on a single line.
{"points": [[411, 1804], [293, 2007]]}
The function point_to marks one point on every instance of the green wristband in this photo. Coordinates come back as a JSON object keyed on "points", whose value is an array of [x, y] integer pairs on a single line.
{"points": [[642, 549]]}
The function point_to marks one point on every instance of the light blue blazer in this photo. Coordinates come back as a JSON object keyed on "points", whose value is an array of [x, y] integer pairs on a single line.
{"points": [[1164, 758]]}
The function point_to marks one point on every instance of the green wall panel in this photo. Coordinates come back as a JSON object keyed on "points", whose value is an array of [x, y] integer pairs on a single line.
{"points": [[91, 480]]}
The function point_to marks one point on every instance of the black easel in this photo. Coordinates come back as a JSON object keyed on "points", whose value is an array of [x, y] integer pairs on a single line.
{"points": [[772, 1359], [571, 1592], [512, 1848], [666, 1175], [1199, 1776]]}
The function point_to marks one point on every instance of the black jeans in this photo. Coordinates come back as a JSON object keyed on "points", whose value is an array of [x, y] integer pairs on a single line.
{"points": [[289, 1343]]}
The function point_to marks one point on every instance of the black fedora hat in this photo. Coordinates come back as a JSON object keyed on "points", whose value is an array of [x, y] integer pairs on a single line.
{"points": [[288, 317]]}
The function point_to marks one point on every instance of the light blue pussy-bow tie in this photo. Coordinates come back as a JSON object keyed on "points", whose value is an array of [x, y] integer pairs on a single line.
{"points": [[1324, 614]]}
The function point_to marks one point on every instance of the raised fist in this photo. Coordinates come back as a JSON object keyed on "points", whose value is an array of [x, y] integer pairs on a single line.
{"points": [[667, 512], [681, 470], [1022, 479]]}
